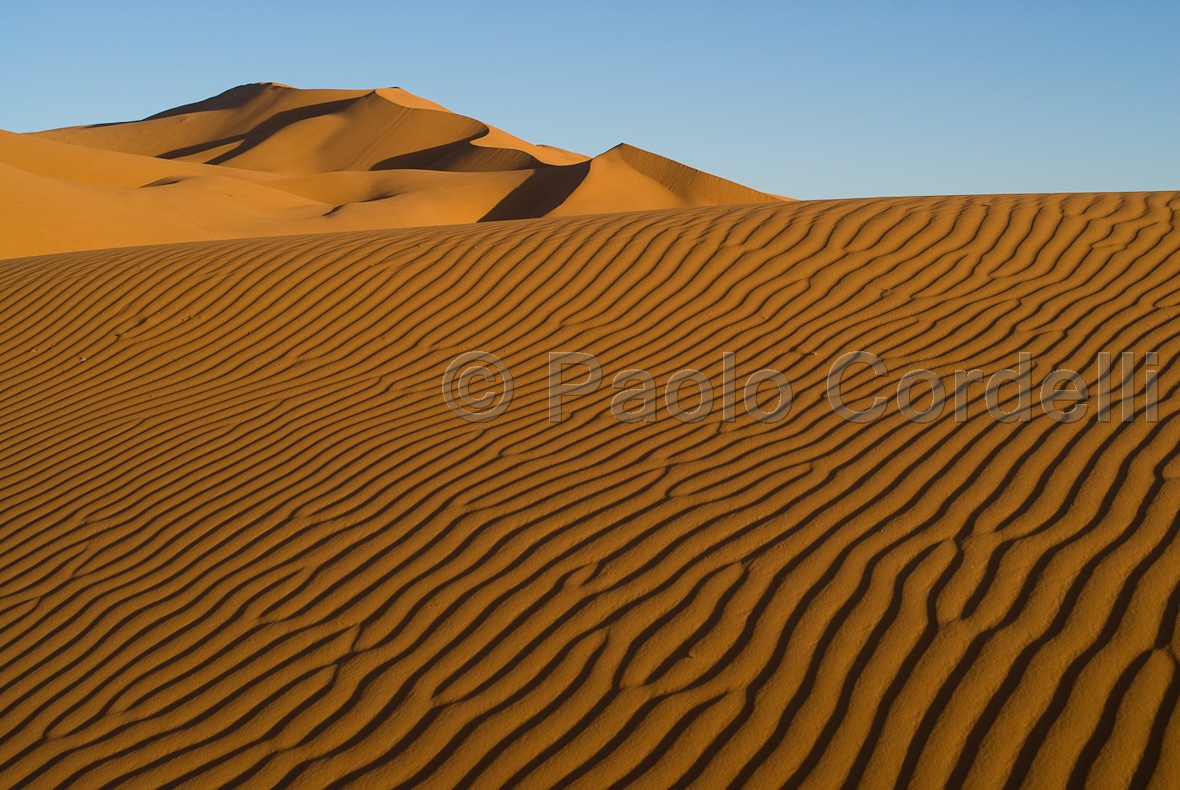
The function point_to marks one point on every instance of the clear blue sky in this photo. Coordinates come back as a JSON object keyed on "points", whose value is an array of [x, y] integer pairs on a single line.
{"points": [[813, 100]]}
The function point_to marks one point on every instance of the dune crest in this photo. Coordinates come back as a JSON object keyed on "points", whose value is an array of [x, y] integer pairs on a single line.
{"points": [[312, 161]]}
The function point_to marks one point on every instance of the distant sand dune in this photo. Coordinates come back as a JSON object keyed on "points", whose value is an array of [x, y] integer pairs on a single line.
{"points": [[243, 540], [267, 126], [270, 160]]}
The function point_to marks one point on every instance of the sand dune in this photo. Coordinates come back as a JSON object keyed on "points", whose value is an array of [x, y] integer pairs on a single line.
{"points": [[268, 160], [243, 539], [278, 128]]}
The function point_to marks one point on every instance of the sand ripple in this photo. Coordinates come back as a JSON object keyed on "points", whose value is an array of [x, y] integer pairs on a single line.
{"points": [[242, 539]]}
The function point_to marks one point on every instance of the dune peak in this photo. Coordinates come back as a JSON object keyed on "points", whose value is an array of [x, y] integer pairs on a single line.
{"points": [[314, 160]]}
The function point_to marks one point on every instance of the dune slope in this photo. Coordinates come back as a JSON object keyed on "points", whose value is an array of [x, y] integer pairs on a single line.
{"points": [[243, 539], [267, 160], [272, 127]]}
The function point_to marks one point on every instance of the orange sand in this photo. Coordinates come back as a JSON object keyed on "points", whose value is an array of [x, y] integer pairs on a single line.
{"points": [[269, 160], [243, 541]]}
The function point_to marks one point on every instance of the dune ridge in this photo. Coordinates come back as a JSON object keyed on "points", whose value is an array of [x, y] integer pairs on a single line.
{"points": [[268, 159], [243, 540]]}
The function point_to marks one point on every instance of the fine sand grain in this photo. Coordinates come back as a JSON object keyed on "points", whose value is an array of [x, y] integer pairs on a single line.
{"points": [[244, 541]]}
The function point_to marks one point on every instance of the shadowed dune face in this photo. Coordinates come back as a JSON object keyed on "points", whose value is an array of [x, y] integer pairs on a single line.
{"points": [[81, 187], [333, 129], [243, 539]]}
